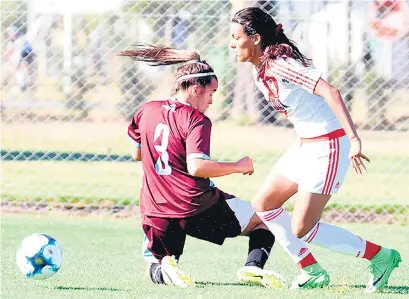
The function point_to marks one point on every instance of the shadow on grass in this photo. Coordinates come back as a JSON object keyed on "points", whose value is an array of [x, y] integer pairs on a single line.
{"points": [[89, 289], [385, 290], [396, 290], [202, 284]]}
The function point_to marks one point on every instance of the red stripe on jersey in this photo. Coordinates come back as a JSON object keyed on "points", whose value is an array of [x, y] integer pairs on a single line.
{"points": [[275, 102], [294, 77], [294, 72]]}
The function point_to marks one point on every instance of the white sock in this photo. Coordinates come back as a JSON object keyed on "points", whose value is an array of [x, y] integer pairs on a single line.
{"points": [[336, 239], [279, 223]]}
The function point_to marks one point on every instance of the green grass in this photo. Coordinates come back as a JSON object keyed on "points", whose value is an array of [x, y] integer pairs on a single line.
{"points": [[384, 184], [121, 182], [102, 259]]}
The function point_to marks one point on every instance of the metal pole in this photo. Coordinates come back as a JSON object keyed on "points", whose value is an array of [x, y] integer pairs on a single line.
{"points": [[67, 52]]}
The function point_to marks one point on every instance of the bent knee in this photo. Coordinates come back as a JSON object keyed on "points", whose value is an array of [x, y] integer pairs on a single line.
{"points": [[265, 204], [254, 223], [299, 230]]}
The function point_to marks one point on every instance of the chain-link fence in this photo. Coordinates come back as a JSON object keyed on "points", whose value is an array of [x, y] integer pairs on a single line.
{"points": [[66, 97]]}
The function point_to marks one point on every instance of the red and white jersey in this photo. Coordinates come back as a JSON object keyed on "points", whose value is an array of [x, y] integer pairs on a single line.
{"points": [[289, 87]]}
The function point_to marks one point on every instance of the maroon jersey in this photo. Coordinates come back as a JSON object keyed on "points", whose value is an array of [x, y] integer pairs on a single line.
{"points": [[169, 133]]}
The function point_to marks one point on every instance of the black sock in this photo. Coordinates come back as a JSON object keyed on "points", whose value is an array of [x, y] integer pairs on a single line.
{"points": [[155, 273], [260, 243]]}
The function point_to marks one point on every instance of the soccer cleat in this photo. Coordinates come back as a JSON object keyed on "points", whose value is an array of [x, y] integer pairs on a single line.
{"points": [[173, 275], [311, 277], [381, 267], [258, 276]]}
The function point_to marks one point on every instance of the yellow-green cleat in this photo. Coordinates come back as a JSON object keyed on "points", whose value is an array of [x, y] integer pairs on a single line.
{"points": [[258, 276], [381, 267], [311, 277], [173, 275]]}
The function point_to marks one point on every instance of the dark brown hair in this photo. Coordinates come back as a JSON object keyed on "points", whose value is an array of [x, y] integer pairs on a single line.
{"points": [[160, 55], [273, 40]]}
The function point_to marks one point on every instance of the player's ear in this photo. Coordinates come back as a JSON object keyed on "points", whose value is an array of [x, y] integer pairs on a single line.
{"points": [[195, 90], [256, 39]]}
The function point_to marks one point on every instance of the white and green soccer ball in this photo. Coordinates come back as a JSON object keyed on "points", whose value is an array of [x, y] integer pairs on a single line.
{"points": [[39, 256]]}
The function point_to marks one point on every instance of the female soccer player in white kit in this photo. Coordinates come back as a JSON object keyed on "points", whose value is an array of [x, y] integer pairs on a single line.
{"points": [[315, 166]]}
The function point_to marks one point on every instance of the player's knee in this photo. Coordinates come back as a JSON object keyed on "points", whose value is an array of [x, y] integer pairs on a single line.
{"points": [[257, 205], [262, 204], [299, 229]]}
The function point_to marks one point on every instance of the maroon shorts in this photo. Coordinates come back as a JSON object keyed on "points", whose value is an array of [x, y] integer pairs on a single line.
{"points": [[167, 235]]}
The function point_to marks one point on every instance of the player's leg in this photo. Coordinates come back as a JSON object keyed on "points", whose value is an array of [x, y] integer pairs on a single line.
{"points": [[280, 185], [306, 225], [166, 240], [326, 177], [146, 253], [261, 241], [221, 221], [279, 222]]}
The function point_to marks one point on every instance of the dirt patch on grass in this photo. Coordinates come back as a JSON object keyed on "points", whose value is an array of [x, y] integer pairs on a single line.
{"points": [[119, 211], [125, 211]]}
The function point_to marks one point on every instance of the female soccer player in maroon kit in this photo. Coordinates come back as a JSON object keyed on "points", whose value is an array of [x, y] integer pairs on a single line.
{"points": [[172, 139]]}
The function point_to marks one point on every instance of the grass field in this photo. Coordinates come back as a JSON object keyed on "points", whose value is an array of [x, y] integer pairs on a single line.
{"points": [[102, 259], [384, 184]]}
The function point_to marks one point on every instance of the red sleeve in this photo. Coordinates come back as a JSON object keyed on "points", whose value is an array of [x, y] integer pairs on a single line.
{"points": [[133, 128], [198, 139]]}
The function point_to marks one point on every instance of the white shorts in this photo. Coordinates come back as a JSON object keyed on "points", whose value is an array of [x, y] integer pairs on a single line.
{"points": [[243, 211], [317, 167]]}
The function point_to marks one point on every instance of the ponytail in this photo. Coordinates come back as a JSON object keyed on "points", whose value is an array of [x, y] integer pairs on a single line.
{"points": [[157, 55], [194, 71], [282, 47]]}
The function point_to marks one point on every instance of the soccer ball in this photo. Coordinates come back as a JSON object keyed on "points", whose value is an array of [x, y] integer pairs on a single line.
{"points": [[39, 256]]}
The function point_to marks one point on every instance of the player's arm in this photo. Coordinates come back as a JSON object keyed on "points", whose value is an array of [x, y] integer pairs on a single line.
{"points": [[206, 168], [135, 136], [198, 159], [136, 151], [333, 97]]}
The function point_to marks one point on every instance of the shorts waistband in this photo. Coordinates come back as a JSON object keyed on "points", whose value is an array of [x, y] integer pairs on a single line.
{"points": [[332, 135]]}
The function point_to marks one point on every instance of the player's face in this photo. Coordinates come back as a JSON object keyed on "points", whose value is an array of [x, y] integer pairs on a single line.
{"points": [[204, 96], [244, 46]]}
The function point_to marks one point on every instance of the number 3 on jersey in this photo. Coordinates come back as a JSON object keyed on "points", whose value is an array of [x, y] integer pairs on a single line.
{"points": [[162, 164]]}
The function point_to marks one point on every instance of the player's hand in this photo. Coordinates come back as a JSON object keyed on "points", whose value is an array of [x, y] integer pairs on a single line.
{"points": [[246, 166], [356, 156]]}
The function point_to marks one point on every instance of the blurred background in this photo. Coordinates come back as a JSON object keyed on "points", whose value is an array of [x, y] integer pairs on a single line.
{"points": [[66, 98]]}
